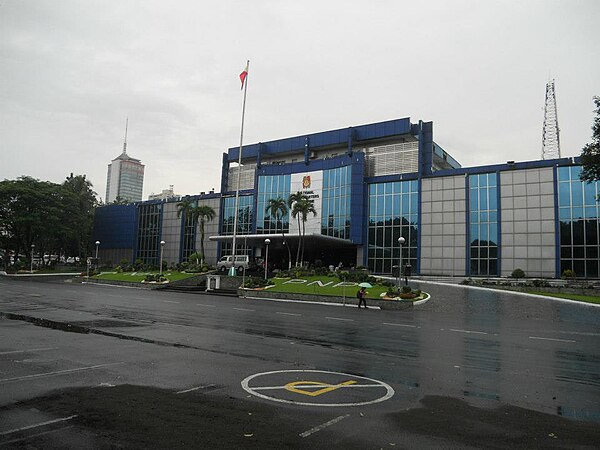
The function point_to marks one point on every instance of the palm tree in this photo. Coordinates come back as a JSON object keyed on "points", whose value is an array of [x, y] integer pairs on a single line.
{"points": [[292, 200], [303, 208], [202, 214], [198, 214], [277, 208]]}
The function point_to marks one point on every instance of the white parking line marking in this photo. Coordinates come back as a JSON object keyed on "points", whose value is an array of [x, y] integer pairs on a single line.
{"points": [[208, 306], [468, 331], [550, 339], [29, 350], [58, 372], [338, 318], [4, 433], [400, 325], [244, 309], [170, 301], [288, 314], [205, 386], [323, 425]]}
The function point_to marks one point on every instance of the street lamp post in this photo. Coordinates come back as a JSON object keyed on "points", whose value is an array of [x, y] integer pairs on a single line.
{"points": [[267, 242], [97, 245], [401, 242], [32, 249], [162, 246]]}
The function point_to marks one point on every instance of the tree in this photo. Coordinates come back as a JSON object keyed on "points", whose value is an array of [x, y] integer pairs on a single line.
{"points": [[120, 201], [292, 199], [590, 154], [198, 214], [303, 208], [83, 203], [48, 215], [202, 214], [277, 208]]}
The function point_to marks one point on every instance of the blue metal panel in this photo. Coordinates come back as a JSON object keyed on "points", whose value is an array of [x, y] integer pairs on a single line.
{"points": [[557, 264], [115, 226], [499, 222], [419, 226], [503, 167], [357, 200], [326, 138], [425, 147]]}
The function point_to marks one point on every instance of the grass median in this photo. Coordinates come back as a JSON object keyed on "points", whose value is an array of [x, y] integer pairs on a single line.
{"points": [[576, 297], [137, 277]]}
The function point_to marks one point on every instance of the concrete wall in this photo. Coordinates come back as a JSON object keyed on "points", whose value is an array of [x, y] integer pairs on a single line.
{"points": [[210, 229], [443, 226], [527, 231]]}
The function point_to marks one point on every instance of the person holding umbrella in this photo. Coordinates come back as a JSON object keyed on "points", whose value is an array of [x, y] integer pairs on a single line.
{"points": [[362, 293]]}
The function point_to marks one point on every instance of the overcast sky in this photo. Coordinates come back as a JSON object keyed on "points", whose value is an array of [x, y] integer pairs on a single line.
{"points": [[72, 71]]}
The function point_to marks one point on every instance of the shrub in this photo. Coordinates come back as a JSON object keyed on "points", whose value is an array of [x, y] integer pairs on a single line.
{"points": [[540, 283], [155, 277], [320, 270], [356, 277], [417, 292], [406, 289], [568, 274], [392, 291], [466, 281], [255, 282], [517, 273], [195, 258]]}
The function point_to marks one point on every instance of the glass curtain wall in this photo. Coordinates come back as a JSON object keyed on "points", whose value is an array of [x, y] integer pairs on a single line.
{"points": [[393, 212], [244, 225], [148, 240], [335, 215], [579, 216], [483, 224], [272, 187]]}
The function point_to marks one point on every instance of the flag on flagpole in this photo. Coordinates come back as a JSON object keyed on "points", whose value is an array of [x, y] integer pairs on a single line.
{"points": [[243, 75]]}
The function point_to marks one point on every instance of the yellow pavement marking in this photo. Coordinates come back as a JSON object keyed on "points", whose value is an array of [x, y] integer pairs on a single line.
{"points": [[328, 387]]}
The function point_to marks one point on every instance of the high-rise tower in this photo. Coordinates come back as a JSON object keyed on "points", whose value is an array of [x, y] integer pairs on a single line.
{"points": [[125, 178], [550, 133]]}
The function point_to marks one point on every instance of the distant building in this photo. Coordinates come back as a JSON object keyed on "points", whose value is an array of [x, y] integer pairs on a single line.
{"points": [[164, 195], [125, 178]]}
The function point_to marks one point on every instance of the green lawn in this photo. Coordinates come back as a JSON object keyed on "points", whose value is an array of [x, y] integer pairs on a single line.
{"points": [[137, 277], [328, 286], [581, 298]]}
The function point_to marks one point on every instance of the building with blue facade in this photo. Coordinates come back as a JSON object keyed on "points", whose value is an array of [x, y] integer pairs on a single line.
{"points": [[371, 185]]}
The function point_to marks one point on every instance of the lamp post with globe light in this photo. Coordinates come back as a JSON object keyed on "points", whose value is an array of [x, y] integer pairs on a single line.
{"points": [[97, 245], [162, 246], [267, 242], [32, 249], [401, 242]]}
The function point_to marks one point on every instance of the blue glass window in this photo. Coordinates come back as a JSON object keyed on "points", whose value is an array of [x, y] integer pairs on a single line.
{"points": [[483, 219], [393, 211]]}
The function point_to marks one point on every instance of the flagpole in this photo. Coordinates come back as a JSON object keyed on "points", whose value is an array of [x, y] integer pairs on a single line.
{"points": [[237, 191]]}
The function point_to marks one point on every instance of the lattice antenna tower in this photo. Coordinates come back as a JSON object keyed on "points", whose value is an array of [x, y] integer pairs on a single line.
{"points": [[551, 132]]}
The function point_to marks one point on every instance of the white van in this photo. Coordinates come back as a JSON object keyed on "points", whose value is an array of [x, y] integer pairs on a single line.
{"points": [[242, 262]]}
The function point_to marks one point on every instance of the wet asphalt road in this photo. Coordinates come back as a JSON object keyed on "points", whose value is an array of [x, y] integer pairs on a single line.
{"points": [[470, 368]]}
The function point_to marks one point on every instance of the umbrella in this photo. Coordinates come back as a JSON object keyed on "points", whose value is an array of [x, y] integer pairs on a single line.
{"points": [[365, 285]]}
